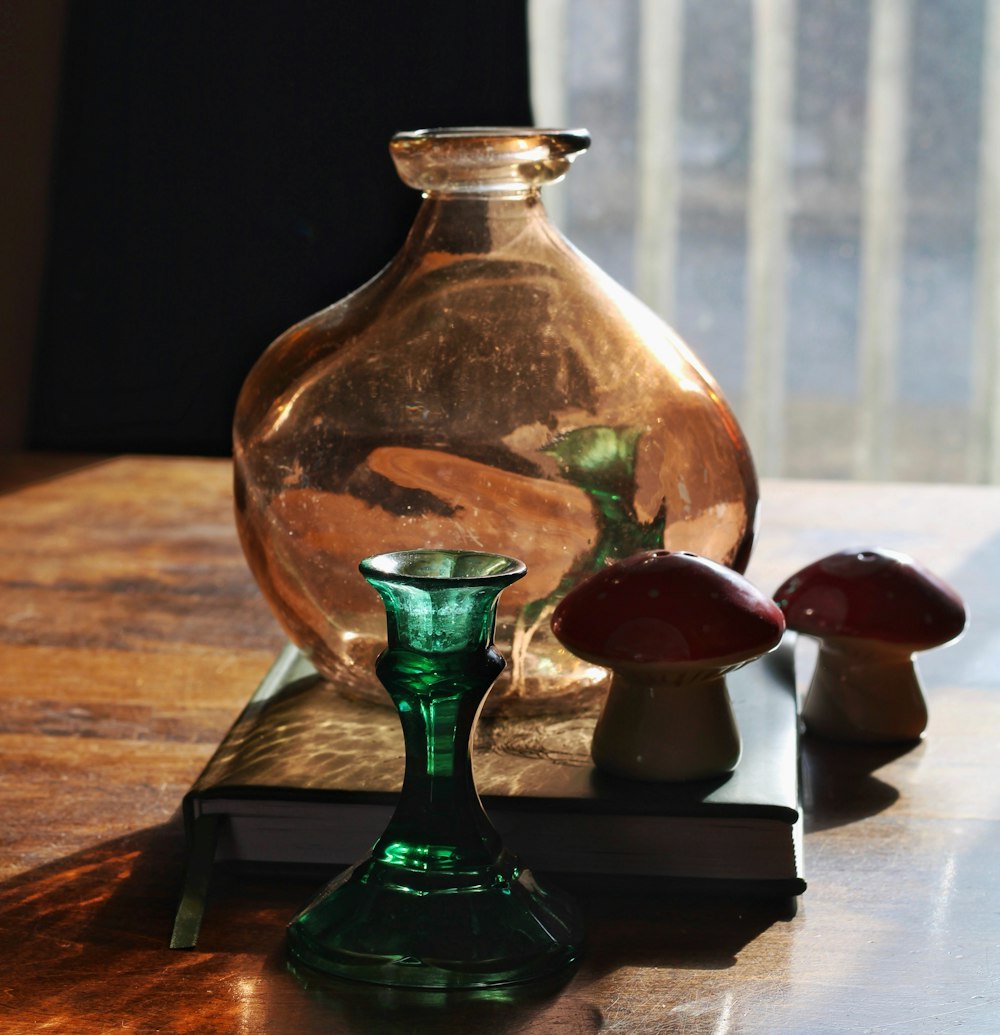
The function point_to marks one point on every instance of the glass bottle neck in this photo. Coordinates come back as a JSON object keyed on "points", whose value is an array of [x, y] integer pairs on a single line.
{"points": [[462, 224]]}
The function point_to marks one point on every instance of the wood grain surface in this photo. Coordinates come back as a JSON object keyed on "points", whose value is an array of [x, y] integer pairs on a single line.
{"points": [[130, 635]]}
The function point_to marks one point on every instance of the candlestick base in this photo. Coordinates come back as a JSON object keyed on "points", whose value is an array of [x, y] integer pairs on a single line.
{"points": [[391, 926]]}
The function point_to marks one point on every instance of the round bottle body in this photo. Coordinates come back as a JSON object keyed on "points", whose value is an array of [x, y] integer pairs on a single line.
{"points": [[490, 389]]}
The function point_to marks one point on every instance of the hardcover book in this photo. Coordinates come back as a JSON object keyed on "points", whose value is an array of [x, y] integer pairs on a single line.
{"points": [[308, 777]]}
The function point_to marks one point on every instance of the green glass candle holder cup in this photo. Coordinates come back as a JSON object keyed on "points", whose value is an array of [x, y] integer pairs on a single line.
{"points": [[439, 903]]}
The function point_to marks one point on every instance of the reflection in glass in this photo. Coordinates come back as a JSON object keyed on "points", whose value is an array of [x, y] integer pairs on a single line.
{"points": [[489, 389]]}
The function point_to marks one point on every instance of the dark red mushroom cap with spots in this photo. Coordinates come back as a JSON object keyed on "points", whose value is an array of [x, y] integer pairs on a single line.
{"points": [[872, 594], [662, 608]]}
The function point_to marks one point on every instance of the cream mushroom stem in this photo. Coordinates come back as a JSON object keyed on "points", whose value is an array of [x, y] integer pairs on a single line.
{"points": [[865, 692], [669, 723]]}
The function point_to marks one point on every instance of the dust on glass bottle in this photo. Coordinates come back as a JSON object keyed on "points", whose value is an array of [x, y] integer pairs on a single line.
{"points": [[490, 389]]}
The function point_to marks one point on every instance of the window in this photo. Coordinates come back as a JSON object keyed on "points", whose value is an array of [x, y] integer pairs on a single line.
{"points": [[809, 191]]}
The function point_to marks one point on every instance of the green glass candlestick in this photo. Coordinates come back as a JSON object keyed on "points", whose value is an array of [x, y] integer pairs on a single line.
{"points": [[439, 903]]}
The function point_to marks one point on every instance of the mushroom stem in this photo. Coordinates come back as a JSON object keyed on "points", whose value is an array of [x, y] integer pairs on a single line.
{"points": [[865, 693], [666, 729]]}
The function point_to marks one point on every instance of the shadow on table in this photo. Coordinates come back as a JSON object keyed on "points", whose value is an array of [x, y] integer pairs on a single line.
{"points": [[19, 470], [626, 932], [839, 785], [84, 942]]}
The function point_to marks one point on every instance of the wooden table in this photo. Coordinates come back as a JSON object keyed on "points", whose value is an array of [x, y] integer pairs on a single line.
{"points": [[131, 634]]}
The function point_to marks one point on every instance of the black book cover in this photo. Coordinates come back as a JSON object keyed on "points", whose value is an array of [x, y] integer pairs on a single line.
{"points": [[308, 777]]}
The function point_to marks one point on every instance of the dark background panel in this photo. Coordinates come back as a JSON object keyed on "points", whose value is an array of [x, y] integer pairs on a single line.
{"points": [[221, 170]]}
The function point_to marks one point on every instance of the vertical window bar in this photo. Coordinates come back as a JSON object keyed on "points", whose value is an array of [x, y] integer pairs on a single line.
{"points": [[985, 443], [767, 229], [548, 27], [661, 53], [882, 230]]}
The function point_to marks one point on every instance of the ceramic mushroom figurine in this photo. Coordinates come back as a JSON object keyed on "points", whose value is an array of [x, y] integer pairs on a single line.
{"points": [[669, 626], [871, 610]]}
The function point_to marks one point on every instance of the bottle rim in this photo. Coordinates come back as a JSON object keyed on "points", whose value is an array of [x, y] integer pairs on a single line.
{"points": [[485, 160]]}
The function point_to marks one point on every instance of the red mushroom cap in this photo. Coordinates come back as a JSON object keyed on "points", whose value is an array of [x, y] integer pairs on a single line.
{"points": [[662, 607], [872, 594]]}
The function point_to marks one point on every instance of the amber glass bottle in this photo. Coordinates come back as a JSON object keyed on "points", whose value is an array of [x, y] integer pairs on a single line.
{"points": [[490, 389]]}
